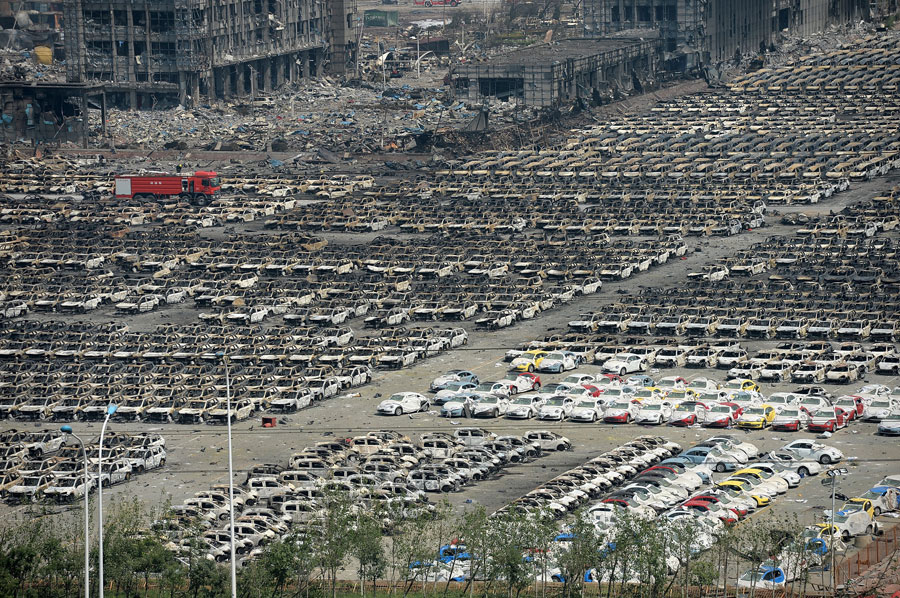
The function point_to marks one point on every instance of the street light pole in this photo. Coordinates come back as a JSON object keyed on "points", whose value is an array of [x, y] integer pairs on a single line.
{"points": [[833, 574], [87, 522], [110, 409], [230, 475]]}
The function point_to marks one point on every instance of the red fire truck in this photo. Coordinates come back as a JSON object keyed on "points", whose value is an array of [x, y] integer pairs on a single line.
{"points": [[200, 185]]}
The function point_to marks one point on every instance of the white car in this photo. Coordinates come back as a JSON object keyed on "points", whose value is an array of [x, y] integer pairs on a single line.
{"points": [[792, 462], [586, 410], [657, 412], [853, 523], [492, 388], [403, 402], [524, 382], [443, 380], [548, 441], [558, 362], [524, 407], [625, 363], [579, 379], [557, 408], [880, 409], [490, 406], [809, 449]]}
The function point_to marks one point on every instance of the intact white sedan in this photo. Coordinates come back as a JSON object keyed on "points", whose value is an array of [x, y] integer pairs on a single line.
{"points": [[625, 363], [809, 449], [403, 402]]}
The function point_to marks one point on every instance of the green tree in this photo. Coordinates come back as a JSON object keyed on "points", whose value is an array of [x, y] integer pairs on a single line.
{"points": [[368, 549], [333, 536]]}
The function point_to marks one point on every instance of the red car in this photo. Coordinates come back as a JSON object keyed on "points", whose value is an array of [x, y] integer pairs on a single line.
{"points": [[853, 405], [704, 506], [723, 415], [828, 419], [595, 392], [741, 513]]}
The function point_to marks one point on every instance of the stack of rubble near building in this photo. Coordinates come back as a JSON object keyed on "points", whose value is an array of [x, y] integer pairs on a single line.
{"points": [[548, 75], [697, 32], [187, 51]]}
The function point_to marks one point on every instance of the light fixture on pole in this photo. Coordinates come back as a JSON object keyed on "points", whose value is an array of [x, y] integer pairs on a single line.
{"points": [[110, 409], [230, 473], [87, 522]]}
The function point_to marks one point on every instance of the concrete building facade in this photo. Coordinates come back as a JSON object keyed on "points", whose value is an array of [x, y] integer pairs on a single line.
{"points": [[696, 32], [190, 51], [548, 75]]}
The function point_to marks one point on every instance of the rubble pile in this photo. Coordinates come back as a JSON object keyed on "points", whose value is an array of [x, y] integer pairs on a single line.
{"points": [[21, 65], [315, 115]]}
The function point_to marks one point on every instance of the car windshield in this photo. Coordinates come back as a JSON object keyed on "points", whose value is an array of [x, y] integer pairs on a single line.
{"points": [[456, 385], [573, 379], [487, 387], [489, 400], [720, 409], [656, 407], [555, 356], [840, 518], [522, 401], [618, 405], [555, 402], [641, 394], [790, 413], [613, 392], [734, 384], [586, 404], [755, 411], [880, 404]]}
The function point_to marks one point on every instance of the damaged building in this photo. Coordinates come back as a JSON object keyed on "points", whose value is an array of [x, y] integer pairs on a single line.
{"points": [[702, 32], [187, 51], [548, 75]]}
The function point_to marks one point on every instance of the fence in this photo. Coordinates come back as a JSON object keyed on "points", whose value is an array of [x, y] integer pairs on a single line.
{"points": [[868, 556]]}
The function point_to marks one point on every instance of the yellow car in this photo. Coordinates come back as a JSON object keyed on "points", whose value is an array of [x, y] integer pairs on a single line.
{"points": [[859, 504], [744, 487], [528, 361], [738, 384], [757, 418], [648, 392]]}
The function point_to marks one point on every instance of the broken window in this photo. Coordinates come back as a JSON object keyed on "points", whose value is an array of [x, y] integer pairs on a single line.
{"points": [[96, 17], [162, 22], [643, 13]]}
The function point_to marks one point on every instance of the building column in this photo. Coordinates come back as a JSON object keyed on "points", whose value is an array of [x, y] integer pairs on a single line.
{"points": [[266, 67], [226, 82], [278, 65], [304, 65], [241, 81], [195, 88], [112, 40], [211, 85]]}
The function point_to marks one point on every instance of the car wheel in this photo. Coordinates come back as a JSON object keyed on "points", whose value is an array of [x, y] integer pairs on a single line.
{"points": [[877, 511], [530, 367], [593, 418], [825, 460], [720, 468], [622, 371], [398, 411], [803, 472], [496, 413]]}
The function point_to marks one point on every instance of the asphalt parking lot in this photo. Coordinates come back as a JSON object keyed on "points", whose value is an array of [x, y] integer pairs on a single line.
{"points": [[197, 457]]}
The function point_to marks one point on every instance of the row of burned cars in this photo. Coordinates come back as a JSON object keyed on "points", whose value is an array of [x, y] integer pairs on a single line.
{"points": [[382, 471], [71, 371], [49, 466]]}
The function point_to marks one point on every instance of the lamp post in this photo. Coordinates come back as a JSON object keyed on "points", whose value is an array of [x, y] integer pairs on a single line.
{"points": [[87, 523], [110, 409], [230, 473]]}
